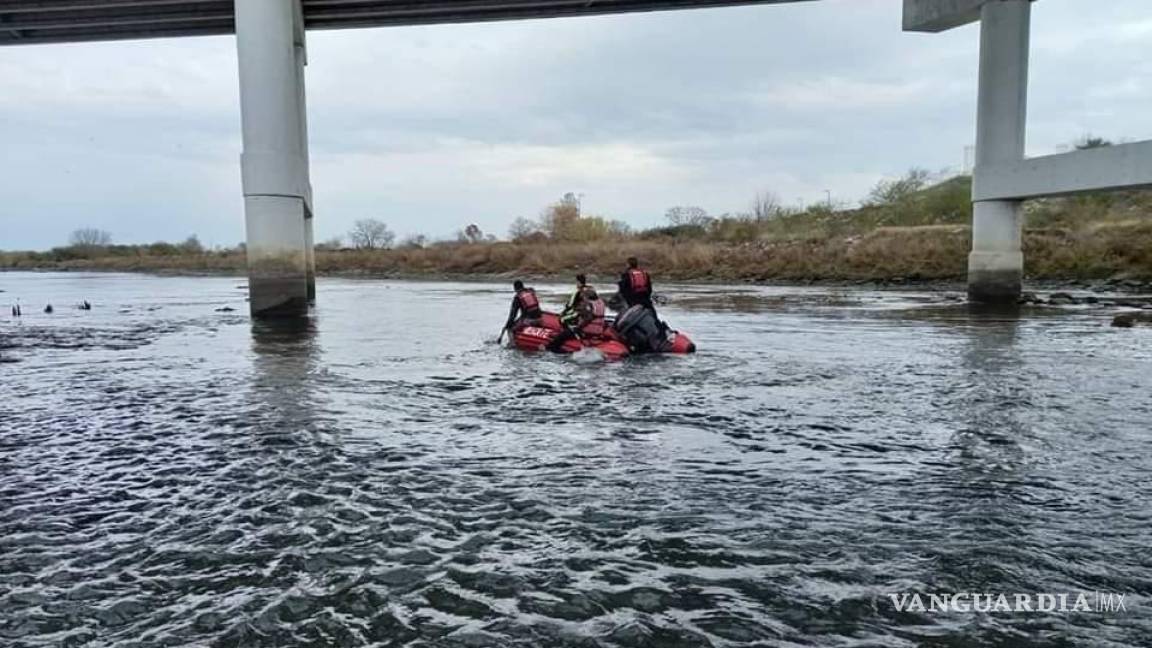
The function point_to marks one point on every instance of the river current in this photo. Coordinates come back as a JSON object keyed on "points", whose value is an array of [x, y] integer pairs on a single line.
{"points": [[174, 475]]}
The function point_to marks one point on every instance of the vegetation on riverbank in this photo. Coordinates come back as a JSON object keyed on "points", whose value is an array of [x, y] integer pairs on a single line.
{"points": [[906, 230]]}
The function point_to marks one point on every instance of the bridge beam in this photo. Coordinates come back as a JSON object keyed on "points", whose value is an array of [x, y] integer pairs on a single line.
{"points": [[274, 164], [1107, 168], [940, 15]]}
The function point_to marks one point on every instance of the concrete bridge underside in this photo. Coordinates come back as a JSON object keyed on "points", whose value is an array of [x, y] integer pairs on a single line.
{"points": [[270, 41], [54, 21]]}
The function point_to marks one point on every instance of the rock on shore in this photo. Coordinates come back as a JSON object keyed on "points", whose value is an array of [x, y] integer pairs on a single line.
{"points": [[1129, 320]]}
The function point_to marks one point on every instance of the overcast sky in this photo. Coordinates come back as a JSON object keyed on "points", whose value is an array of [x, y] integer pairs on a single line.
{"points": [[432, 128]]}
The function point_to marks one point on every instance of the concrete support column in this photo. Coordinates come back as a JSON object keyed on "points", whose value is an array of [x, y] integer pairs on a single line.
{"points": [[996, 264], [277, 193]]}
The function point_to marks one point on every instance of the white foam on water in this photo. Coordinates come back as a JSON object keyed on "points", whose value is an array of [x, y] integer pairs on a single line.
{"points": [[587, 355]]}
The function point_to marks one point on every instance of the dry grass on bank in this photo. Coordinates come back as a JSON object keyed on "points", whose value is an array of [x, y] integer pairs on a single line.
{"points": [[206, 263], [1097, 251], [937, 252], [920, 233]]}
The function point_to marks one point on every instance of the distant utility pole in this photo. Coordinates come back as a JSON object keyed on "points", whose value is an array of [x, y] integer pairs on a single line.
{"points": [[969, 160], [828, 192]]}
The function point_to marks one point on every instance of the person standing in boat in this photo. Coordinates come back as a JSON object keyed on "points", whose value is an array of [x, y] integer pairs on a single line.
{"points": [[636, 290], [636, 285], [525, 305]]}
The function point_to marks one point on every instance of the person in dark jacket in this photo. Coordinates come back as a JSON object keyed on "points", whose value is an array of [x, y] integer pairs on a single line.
{"points": [[525, 305]]}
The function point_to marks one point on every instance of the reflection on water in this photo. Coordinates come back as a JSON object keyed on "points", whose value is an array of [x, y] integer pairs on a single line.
{"points": [[384, 475], [285, 355], [988, 465]]}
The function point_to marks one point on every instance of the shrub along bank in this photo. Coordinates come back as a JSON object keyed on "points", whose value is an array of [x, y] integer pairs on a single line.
{"points": [[905, 231]]}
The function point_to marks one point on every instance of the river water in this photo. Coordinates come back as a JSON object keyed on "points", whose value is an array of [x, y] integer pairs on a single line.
{"points": [[173, 475]]}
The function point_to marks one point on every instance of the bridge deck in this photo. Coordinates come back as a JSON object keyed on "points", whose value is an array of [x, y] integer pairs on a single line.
{"points": [[57, 21]]}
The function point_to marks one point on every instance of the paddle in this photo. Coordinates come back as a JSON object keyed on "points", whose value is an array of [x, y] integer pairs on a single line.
{"points": [[502, 332]]}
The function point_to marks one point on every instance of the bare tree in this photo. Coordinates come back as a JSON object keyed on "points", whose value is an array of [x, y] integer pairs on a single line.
{"points": [[192, 245], [522, 228], [90, 237], [415, 241], [681, 216], [371, 234], [766, 206]]}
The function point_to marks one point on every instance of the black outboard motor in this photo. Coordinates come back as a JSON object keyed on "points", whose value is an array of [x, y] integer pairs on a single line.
{"points": [[641, 330], [616, 303]]}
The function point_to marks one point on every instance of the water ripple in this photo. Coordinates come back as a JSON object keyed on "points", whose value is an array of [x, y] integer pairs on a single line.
{"points": [[174, 477]]}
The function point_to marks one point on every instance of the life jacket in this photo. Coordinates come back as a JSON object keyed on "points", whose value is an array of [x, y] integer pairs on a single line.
{"points": [[595, 325], [529, 302], [639, 282]]}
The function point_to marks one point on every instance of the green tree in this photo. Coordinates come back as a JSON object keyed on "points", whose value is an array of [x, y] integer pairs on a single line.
{"points": [[1091, 142], [890, 192]]}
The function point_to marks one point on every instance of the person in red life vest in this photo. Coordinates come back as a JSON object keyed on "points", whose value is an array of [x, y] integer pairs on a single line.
{"points": [[585, 321], [636, 285], [525, 305], [636, 289]]}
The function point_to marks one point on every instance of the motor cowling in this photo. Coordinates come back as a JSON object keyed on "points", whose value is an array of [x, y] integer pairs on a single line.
{"points": [[641, 330]]}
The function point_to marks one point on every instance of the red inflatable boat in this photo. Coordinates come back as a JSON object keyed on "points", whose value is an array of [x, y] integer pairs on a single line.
{"points": [[635, 331]]}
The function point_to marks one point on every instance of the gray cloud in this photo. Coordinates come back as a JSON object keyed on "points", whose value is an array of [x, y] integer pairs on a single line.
{"points": [[430, 128]]}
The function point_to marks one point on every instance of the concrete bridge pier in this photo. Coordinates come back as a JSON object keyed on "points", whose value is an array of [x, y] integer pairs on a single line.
{"points": [[1003, 176], [996, 264], [274, 164]]}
